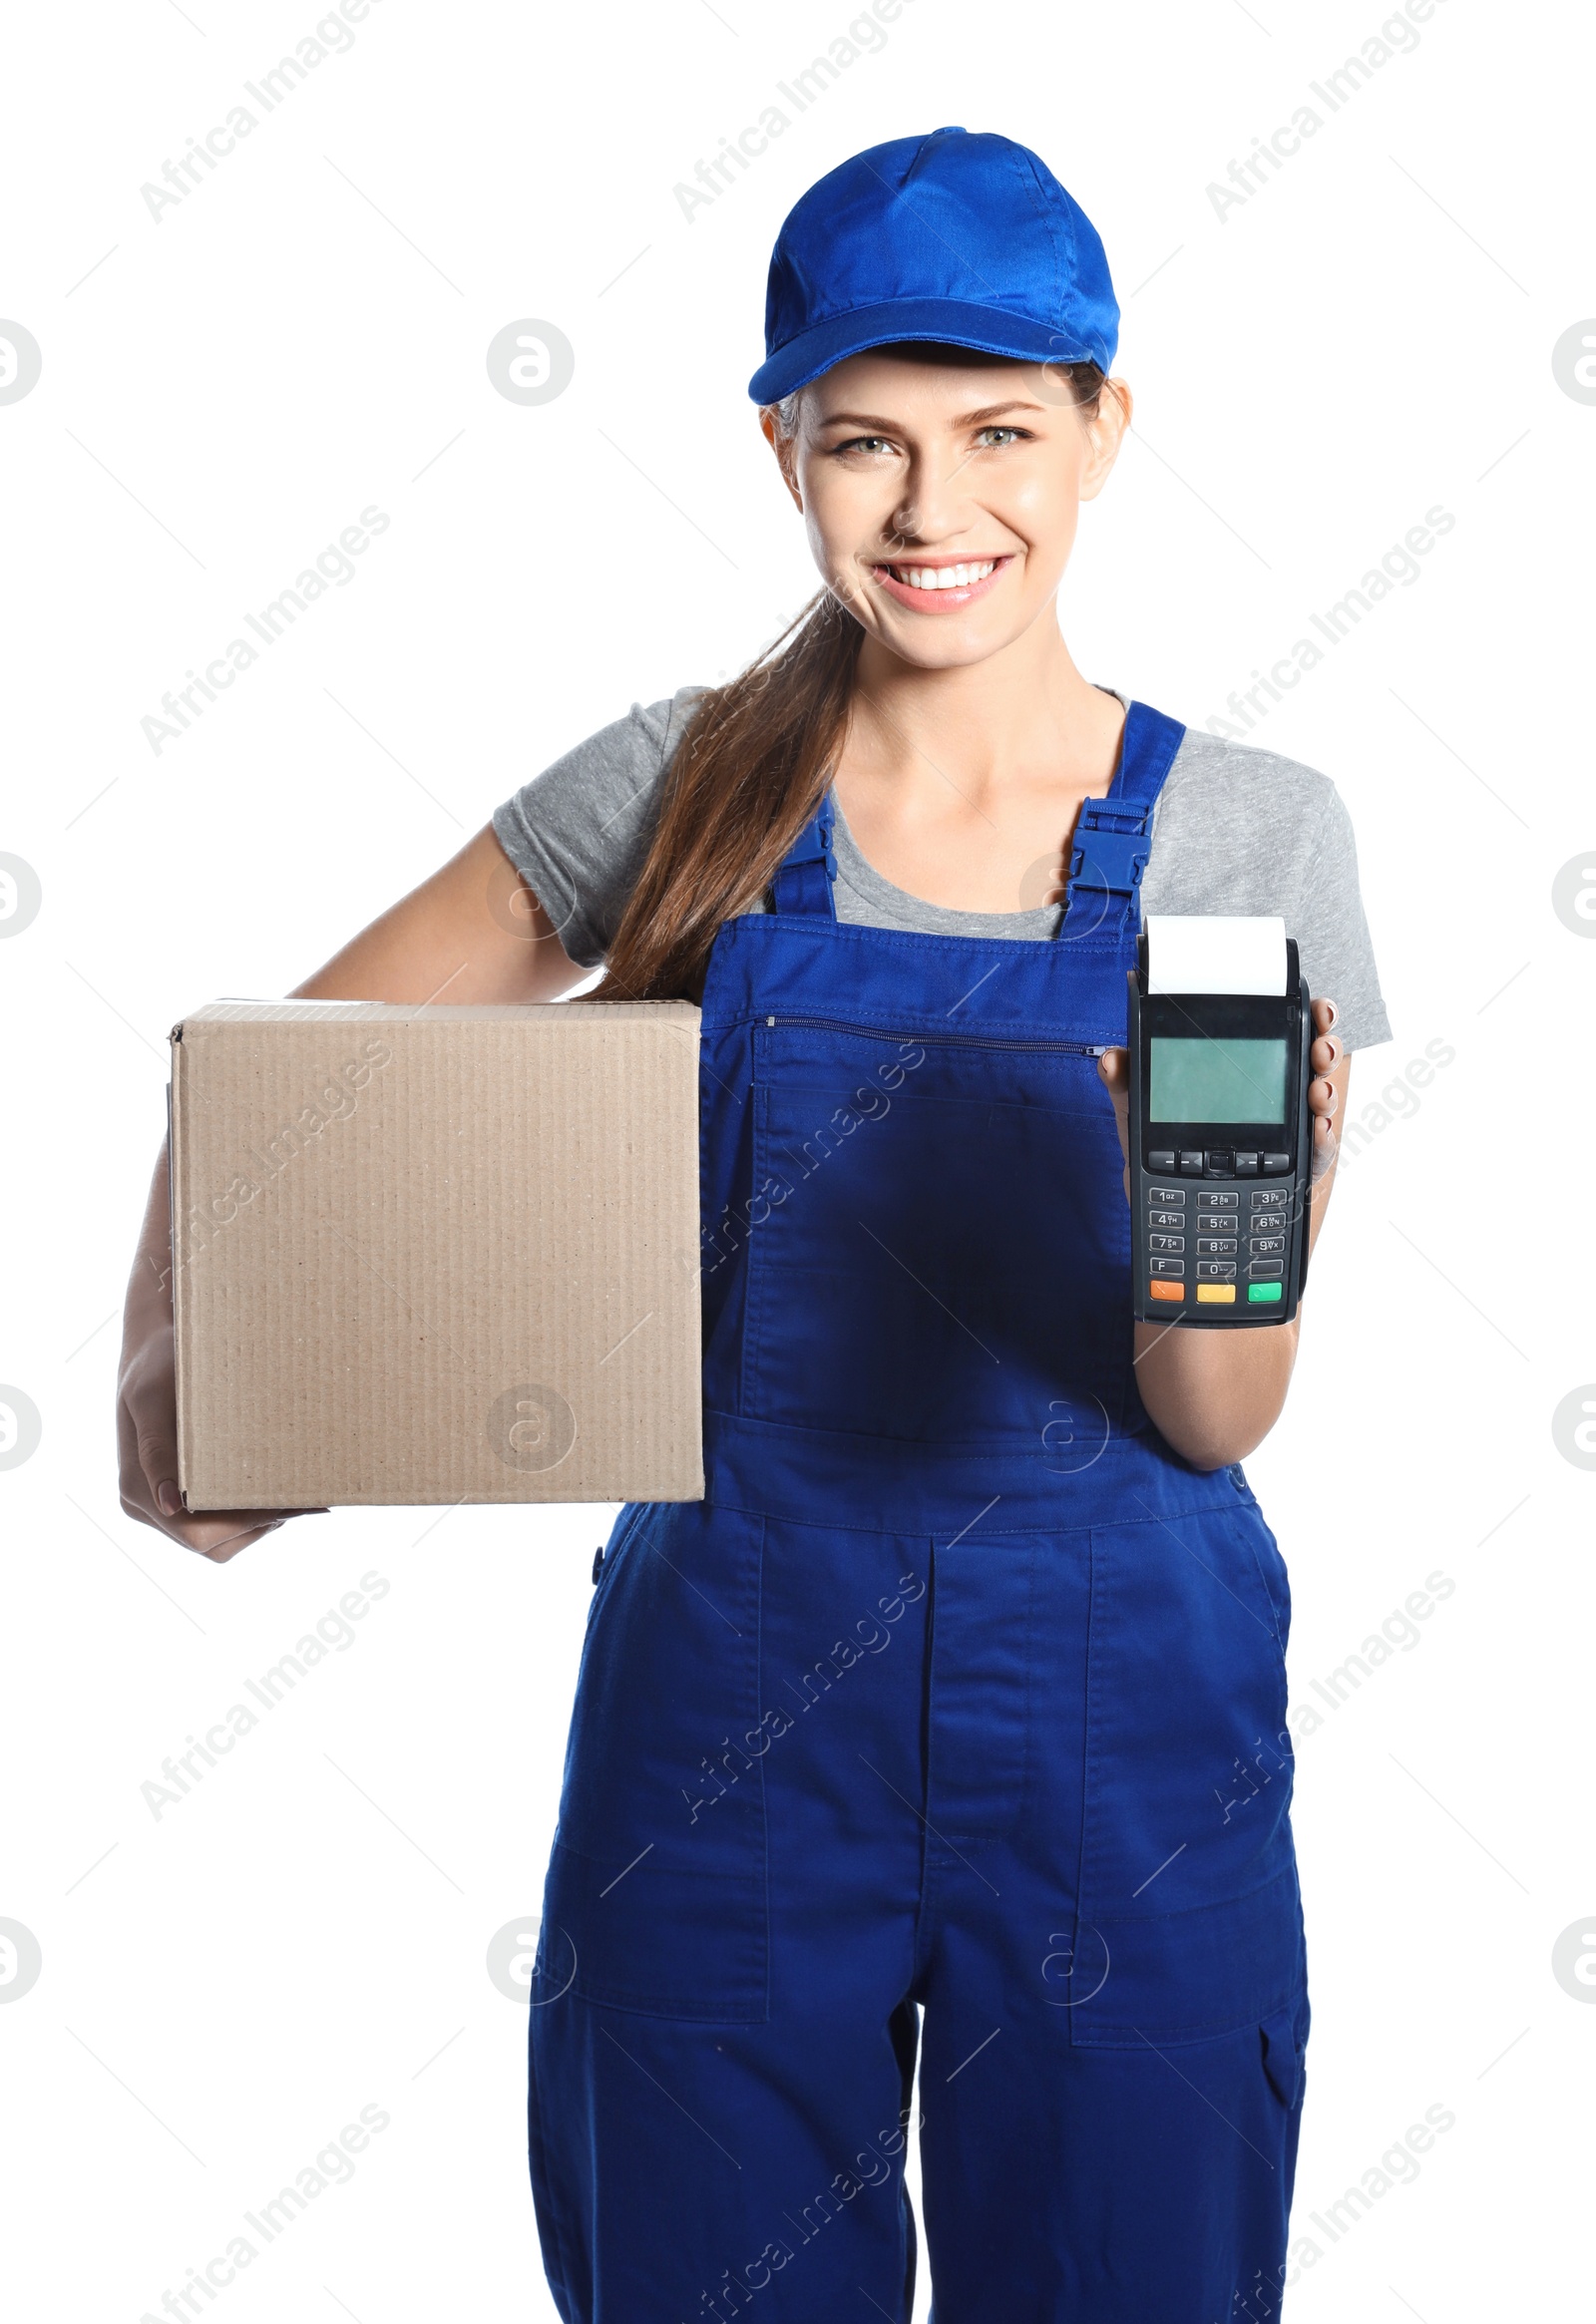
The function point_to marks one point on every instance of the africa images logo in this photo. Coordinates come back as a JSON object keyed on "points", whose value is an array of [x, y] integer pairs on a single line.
{"points": [[532, 1427], [21, 361]]}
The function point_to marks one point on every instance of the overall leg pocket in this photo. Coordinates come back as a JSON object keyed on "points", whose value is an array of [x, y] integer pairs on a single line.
{"points": [[1283, 2042], [1188, 1878], [656, 1897], [1282, 2038]]}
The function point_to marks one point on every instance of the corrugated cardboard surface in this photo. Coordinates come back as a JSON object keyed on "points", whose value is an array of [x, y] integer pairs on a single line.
{"points": [[436, 1254]]}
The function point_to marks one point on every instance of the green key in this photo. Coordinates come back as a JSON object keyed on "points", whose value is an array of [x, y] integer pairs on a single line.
{"points": [[1257, 1293]]}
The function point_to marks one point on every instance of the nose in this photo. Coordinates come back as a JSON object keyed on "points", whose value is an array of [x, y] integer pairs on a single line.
{"points": [[935, 506]]}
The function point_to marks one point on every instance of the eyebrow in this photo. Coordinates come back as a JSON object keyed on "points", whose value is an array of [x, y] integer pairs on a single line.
{"points": [[964, 420]]}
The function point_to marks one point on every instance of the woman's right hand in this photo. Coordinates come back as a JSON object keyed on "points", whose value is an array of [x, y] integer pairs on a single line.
{"points": [[146, 1408]]}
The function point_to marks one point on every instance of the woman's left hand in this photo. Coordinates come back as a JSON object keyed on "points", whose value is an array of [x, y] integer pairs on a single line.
{"points": [[1113, 1067], [1214, 1396]]}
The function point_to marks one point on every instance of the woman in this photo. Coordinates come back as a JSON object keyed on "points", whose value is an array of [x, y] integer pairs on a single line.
{"points": [[963, 1692]]}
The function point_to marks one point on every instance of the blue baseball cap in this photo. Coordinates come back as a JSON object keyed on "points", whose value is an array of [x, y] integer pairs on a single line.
{"points": [[965, 238]]}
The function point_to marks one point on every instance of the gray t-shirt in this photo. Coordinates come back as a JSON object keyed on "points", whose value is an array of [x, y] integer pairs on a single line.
{"points": [[1236, 830]]}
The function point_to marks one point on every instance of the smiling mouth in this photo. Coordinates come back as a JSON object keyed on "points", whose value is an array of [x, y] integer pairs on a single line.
{"points": [[941, 576]]}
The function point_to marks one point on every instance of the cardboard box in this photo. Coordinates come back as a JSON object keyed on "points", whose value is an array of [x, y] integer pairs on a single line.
{"points": [[436, 1254]]}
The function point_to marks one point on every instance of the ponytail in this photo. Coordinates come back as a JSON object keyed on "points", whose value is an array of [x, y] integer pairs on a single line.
{"points": [[748, 774]]}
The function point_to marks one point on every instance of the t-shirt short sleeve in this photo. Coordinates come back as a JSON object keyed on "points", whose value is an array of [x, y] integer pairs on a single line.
{"points": [[578, 832], [1241, 830]]}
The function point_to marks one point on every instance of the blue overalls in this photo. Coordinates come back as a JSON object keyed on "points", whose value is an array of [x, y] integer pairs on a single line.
{"points": [[952, 1717]]}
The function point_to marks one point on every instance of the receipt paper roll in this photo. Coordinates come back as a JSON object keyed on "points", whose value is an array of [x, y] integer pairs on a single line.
{"points": [[1188, 952]]}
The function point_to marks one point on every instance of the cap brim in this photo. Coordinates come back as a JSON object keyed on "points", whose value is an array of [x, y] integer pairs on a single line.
{"points": [[987, 330]]}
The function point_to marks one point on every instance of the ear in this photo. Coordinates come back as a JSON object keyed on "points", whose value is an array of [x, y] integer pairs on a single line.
{"points": [[1105, 435], [786, 450]]}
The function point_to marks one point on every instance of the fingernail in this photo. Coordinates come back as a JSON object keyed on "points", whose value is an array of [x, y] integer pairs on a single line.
{"points": [[1334, 1011], [168, 1498]]}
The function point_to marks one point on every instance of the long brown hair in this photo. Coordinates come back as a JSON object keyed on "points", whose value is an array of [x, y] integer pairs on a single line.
{"points": [[747, 775]]}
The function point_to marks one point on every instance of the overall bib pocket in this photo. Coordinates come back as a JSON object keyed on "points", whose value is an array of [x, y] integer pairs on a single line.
{"points": [[1188, 1877], [655, 1894], [927, 1210]]}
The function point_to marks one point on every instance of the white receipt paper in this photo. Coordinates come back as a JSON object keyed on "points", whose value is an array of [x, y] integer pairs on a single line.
{"points": [[1189, 953]]}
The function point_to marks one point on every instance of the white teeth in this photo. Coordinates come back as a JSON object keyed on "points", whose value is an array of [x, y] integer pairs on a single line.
{"points": [[941, 576]]}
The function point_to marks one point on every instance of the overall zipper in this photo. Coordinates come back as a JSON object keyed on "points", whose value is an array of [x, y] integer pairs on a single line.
{"points": [[945, 1040]]}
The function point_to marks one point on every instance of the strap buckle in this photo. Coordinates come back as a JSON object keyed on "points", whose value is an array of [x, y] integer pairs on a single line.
{"points": [[814, 846], [803, 880], [1114, 860]]}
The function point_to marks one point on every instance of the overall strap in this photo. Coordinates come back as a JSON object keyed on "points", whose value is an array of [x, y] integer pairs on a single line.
{"points": [[803, 881], [1114, 836]]}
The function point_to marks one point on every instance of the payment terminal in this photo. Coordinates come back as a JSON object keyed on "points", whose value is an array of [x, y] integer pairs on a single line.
{"points": [[1221, 1148]]}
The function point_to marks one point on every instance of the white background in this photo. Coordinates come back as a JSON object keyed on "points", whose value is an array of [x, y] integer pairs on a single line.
{"points": [[223, 390]]}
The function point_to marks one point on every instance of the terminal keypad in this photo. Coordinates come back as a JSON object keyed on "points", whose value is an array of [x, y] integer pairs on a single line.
{"points": [[1240, 1235]]}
